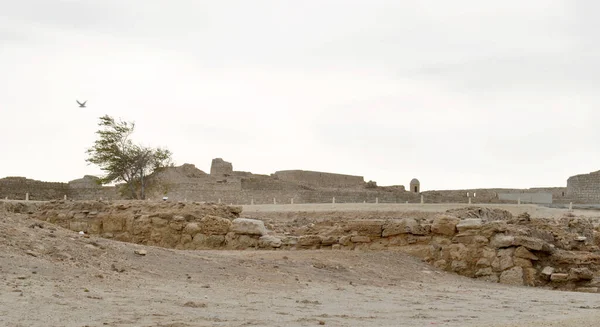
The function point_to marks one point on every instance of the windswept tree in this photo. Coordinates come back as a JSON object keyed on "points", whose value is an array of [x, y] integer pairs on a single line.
{"points": [[122, 160]]}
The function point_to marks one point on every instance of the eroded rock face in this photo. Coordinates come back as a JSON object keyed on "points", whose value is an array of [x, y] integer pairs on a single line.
{"points": [[248, 226]]}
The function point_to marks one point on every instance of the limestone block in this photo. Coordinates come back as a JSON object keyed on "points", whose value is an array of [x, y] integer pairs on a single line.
{"points": [[248, 226], [309, 240], [587, 289], [345, 240], [512, 276], [289, 240], [468, 224], [577, 274], [113, 223], [503, 260], [399, 226], [529, 276], [441, 264], [457, 251], [476, 240], [213, 225], [78, 226], [371, 228], [559, 277], [547, 272], [329, 240], [502, 241], [444, 225], [522, 252], [202, 241], [159, 222], [191, 229], [360, 239], [269, 241], [458, 265], [529, 242], [520, 262], [483, 263]]}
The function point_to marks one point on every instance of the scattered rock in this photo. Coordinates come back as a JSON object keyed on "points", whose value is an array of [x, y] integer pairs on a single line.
{"points": [[140, 252], [192, 304]]}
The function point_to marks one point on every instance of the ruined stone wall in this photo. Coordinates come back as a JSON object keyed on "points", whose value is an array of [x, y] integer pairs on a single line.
{"points": [[15, 188], [584, 188], [242, 197], [268, 183], [555, 253], [319, 179], [220, 167], [491, 195]]}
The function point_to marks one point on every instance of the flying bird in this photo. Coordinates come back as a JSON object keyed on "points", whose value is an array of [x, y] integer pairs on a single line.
{"points": [[81, 105]]}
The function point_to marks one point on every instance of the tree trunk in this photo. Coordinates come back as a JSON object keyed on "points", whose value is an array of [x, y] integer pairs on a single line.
{"points": [[143, 195]]}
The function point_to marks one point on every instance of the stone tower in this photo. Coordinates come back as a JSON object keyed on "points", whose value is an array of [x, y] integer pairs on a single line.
{"points": [[415, 185], [220, 167]]}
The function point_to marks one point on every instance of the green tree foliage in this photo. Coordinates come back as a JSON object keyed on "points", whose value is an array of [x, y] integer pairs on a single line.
{"points": [[122, 160]]}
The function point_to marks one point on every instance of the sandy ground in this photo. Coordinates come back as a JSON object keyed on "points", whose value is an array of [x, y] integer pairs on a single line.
{"points": [[54, 277]]}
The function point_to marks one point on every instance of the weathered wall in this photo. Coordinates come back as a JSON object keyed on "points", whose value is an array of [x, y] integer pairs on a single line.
{"points": [[319, 179], [561, 253], [220, 167], [526, 197], [15, 188], [584, 188]]}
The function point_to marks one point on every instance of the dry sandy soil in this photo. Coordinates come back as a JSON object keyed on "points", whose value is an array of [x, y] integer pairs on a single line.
{"points": [[55, 277]]}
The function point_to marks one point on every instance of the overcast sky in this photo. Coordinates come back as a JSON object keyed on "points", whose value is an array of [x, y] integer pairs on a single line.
{"points": [[459, 94]]}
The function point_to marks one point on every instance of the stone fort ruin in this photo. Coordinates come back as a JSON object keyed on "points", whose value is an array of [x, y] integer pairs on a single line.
{"points": [[224, 184]]}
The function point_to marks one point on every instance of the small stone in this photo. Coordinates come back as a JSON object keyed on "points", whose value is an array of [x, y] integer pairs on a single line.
{"points": [[191, 304], [140, 252], [547, 271], [31, 253], [581, 238], [558, 277]]}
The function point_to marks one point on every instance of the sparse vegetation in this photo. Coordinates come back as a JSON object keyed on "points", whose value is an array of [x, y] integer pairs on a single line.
{"points": [[124, 161]]}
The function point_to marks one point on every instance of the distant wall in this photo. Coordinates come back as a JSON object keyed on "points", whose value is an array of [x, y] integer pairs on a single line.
{"points": [[545, 198], [15, 188], [584, 188], [492, 195], [319, 179]]}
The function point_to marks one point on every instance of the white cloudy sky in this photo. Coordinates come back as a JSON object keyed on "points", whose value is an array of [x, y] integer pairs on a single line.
{"points": [[460, 94]]}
